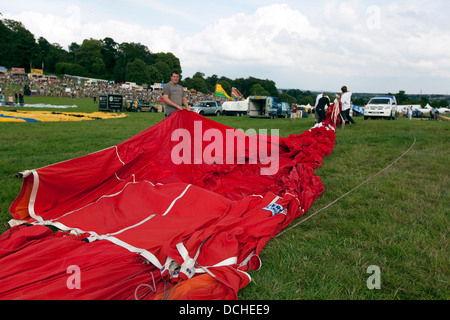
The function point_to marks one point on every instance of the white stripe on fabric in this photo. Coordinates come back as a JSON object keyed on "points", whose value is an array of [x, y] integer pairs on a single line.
{"points": [[246, 260], [226, 262], [146, 254], [248, 276], [118, 157], [131, 227], [183, 251], [33, 195], [274, 200], [223, 263], [63, 227], [176, 199]]}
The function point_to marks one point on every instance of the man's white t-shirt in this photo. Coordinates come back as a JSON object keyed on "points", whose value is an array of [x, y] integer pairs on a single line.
{"points": [[346, 100]]}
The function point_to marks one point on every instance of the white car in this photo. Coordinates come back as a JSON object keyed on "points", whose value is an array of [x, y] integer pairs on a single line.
{"points": [[381, 106]]}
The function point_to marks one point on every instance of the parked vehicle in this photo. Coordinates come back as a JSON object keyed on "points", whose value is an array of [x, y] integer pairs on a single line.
{"points": [[209, 107], [139, 105], [110, 102], [284, 110], [235, 108], [381, 106], [262, 107]]}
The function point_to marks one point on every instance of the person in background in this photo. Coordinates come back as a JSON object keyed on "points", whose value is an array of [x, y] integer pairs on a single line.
{"points": [[21, 101], [11, 100], [336, 115], [316, 115], [294, 112], [346, 102], [321, 105], [433, 113]]}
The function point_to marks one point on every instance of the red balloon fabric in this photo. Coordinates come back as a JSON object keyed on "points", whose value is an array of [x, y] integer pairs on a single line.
{"points": [[185, 208]]}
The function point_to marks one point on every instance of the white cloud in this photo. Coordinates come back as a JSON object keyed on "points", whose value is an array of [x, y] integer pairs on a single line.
{"points": [[267, 37], [70, 28], [55, 29], [159, 39], [342, 40]]}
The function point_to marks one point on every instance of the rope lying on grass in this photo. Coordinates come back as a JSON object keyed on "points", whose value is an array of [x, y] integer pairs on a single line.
{"points": [[333, 202], [8, 176], [15, 175]]}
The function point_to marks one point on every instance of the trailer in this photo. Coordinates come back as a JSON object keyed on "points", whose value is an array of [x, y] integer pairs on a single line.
{"points": [[235, 108], [110, 102], [139, 105], [262, 107]]}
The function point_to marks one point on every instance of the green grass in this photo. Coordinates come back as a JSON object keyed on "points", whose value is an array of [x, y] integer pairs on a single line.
{"points": [[397, 221]]}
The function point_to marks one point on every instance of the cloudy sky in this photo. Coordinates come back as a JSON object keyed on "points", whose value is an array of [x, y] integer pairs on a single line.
{"points": [[370, 46]]}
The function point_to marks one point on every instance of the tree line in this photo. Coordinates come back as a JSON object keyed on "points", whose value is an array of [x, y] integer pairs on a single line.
{"points": [[134, 62]]}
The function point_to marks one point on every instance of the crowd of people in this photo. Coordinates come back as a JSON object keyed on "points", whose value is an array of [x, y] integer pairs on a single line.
{"points": [[71, 87]]}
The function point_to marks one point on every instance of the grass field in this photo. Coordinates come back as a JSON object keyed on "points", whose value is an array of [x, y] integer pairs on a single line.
{"points": [[397, 221]]}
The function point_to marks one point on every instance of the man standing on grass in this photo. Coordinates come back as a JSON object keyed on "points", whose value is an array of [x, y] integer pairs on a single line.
{"points": [[321, 105], [174, 97], [346, 101], [294, 112]]}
